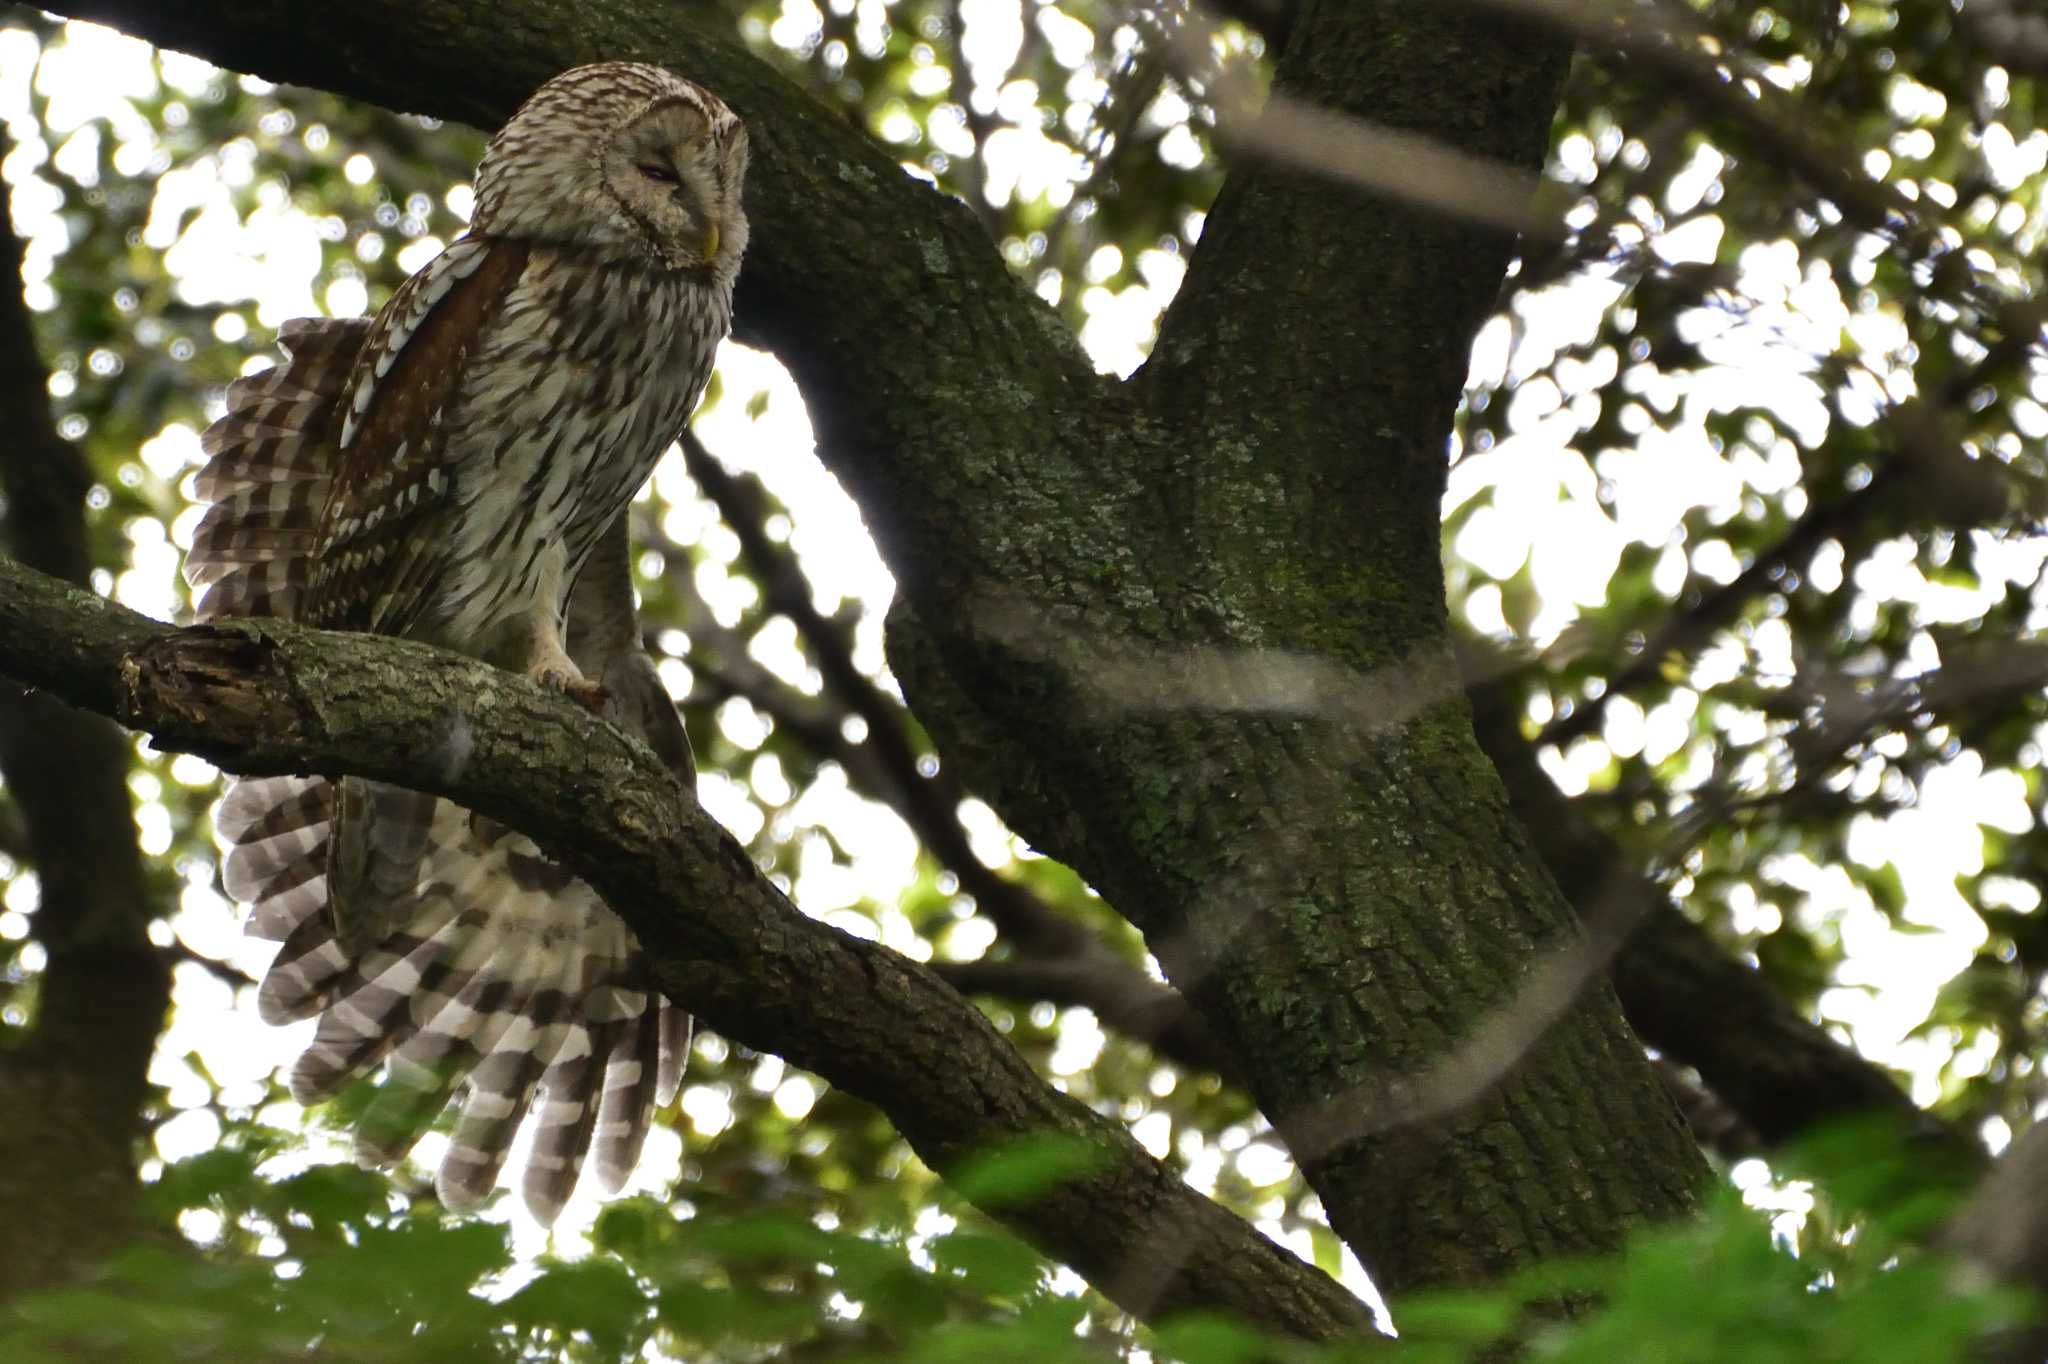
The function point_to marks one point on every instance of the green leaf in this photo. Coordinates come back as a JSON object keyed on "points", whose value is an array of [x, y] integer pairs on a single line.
{"points": [[1026, 1168], [993, 1266], [599, 1298], [1207, 1338]]}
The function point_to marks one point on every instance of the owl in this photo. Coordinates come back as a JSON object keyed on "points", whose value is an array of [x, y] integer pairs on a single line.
{"points": [[457, 471]]}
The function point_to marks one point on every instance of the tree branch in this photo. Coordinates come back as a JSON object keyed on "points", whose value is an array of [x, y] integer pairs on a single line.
{"points": [[2003, 1230], [1686, 631], [1666, 40], [1927, 472], [1274, 18], [266, 697], [928, 804]]}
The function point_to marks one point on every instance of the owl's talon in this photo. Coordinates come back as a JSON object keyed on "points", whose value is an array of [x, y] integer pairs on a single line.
{"points": [[572, 684]]}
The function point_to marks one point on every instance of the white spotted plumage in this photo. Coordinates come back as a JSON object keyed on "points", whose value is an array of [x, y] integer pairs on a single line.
{"points": [[446, 471]]}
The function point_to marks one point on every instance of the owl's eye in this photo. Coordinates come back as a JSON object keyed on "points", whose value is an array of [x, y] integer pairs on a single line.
{"points": [[654, 170]]}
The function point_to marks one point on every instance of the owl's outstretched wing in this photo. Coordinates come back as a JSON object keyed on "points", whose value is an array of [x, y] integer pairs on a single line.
{"points": [[498, 982], [270, 484], [269, 471], [270, 468]]}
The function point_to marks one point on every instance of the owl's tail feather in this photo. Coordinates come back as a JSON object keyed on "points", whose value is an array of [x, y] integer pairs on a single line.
{"points": [[507, 988], [373, 1008], [274, 830], [629, 1093], [601, 1052], [500, 1091], [673, 1052], [566, 1118]]}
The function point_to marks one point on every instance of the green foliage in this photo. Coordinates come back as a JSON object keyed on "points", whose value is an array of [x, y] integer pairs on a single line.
{"points": [[1024, 1170], [315, 1259], [325, 1260], [1729, 1287]]}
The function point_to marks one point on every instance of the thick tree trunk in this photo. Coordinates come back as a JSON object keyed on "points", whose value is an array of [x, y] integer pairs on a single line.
{"points": [[1227, 656]]}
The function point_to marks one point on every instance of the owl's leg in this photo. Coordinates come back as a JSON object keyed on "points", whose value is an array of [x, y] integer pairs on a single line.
{"points": [[604, 639], [547, 661]]}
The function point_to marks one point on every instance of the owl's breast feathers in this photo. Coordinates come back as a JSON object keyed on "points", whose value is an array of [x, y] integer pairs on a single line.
{"points": [[510, 398]]}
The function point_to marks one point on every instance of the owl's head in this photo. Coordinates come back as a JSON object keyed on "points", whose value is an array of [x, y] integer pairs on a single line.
{"points": [[629, 162]]}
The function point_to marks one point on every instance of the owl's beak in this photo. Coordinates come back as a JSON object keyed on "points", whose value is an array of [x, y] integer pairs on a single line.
{"points": [[711, 241]]}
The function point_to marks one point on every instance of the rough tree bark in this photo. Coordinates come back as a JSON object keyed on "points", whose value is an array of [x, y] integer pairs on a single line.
{"points": [[1188, 632]]}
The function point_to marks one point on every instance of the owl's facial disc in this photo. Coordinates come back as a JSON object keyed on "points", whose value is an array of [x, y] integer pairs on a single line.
{"points": [[667, 172]]}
